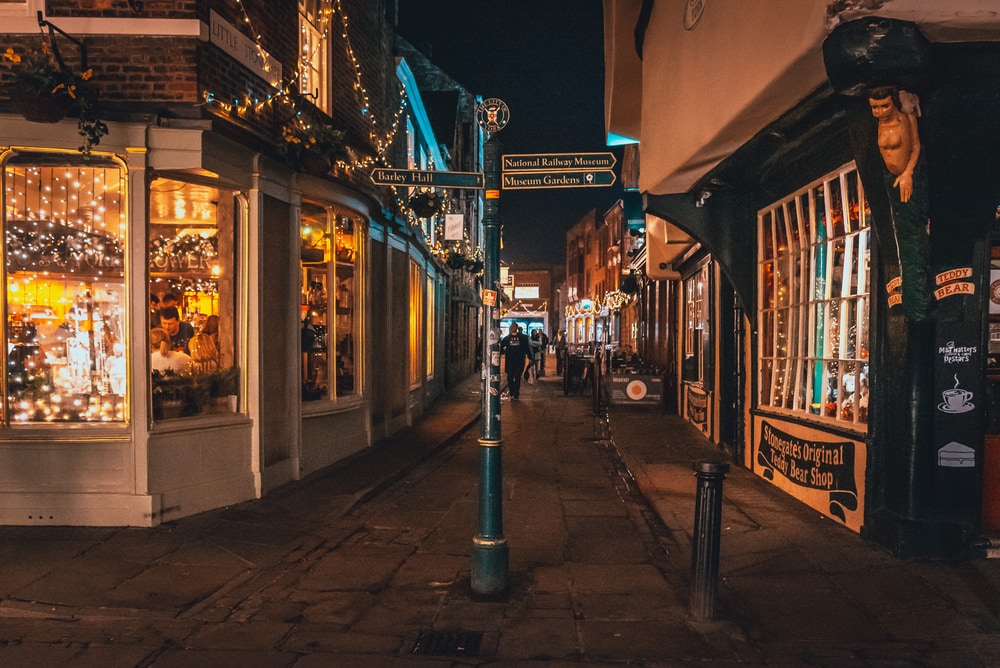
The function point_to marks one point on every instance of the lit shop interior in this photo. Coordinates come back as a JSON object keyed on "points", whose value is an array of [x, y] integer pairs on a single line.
{"points": [[65, 239], [328, 250], [191, 255]]}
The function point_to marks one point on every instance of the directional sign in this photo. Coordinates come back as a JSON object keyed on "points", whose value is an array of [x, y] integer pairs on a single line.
{"points": [[382, 176], [525, 180], [561, 161]]}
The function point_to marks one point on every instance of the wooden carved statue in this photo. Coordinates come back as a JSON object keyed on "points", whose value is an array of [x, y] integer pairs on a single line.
{"points": [[896, 112]]}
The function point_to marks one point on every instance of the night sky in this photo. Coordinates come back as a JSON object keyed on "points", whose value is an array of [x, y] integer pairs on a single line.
{"points": [[545, 59]]}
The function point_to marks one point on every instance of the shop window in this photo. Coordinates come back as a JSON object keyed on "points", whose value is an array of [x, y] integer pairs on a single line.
{"points": [[431, 343], [64, 233], [314, 28], [330, 239], [814, 291], [416, 322], [191, 255], [697, 350]]}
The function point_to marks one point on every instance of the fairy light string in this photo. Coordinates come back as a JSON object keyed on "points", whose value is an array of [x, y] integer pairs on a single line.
{"points": [[250, 104]]}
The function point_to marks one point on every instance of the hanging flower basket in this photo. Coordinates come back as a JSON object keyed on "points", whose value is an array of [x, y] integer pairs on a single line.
{"points": [[312, 147], [426, 204], [316, 164], [42, 90], [42, 109]]}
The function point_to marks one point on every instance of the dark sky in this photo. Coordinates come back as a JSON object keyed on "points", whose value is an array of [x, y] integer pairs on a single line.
{"points": [[545, 59]]}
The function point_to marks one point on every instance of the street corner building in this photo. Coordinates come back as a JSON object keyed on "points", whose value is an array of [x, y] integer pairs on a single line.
{"points": [[206, 296], [817, 184]]}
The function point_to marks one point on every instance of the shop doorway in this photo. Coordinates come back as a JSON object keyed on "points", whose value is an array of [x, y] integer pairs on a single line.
{"points": [[991, 444]]}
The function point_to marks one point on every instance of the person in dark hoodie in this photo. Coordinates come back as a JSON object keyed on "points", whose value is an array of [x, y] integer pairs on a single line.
{"points": [[515, 348]]}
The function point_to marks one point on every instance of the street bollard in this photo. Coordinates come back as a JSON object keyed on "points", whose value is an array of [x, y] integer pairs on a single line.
{"points": [[707, 530]]}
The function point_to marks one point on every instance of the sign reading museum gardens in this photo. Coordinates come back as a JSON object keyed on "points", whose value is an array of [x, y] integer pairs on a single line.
{"points": [[520, 171], [557, 170]]}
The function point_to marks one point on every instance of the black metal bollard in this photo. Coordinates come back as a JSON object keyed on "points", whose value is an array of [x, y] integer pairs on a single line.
{"points": [[707, 529]]}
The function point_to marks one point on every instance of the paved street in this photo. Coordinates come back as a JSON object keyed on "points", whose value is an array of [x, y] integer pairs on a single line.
{"points": [[359, 567]]}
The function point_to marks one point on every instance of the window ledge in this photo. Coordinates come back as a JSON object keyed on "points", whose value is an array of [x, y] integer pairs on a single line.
{"points": [[199, 422], [331, 406], [847, 429]]}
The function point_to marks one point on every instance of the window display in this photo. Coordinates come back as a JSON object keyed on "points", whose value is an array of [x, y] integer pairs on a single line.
{"points": [[813, 282], [696, 327], [192, 298], [64, 232], [329, 241], [416, 322]]}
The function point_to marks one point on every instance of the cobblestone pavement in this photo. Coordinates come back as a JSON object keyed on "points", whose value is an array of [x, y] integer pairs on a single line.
{"points": [[364, 566]]}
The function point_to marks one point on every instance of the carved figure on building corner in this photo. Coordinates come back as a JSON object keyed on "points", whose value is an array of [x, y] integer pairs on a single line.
{"points": [[896, 112]]}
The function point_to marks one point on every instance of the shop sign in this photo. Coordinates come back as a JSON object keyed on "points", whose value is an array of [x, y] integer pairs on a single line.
{"points": [[63, 250], [697, 405], [950, 285], [959, 401], [244, 50], [893, 288], [815, 465], [635, 389]]}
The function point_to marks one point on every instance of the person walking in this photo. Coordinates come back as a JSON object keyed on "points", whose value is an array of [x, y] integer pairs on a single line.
{"points": [[544, 351], [515, 349], [561, 349], [535, 343]]}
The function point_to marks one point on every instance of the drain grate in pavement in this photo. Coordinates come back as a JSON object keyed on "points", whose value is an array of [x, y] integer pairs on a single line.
{"points": [[448, 643]]}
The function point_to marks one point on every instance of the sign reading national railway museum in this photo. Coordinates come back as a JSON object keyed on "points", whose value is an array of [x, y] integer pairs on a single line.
{"points": [[558, 161]]}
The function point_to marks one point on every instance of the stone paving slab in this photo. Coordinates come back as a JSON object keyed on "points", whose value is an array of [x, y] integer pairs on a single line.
{"points": [[348, 566]]}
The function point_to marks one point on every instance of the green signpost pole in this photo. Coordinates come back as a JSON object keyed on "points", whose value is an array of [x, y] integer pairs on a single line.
{"points": [[489, 547]]}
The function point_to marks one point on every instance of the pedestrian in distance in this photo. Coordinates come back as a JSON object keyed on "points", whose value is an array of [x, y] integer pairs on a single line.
{"points": [[561, 348], [544, 350], [515, 348], [535, 342]]}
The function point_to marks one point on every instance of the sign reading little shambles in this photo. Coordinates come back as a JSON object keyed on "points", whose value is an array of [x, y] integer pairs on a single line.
{"points": [[243, 49]]}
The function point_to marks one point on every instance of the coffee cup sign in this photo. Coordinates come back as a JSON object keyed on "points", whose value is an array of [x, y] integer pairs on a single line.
{"points": [[956, 400]]}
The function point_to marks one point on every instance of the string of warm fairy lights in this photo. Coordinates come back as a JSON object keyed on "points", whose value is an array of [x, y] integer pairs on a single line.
{"points": [[381, 141], [255, 105]]}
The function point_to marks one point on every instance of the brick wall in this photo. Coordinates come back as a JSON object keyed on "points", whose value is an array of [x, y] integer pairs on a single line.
{"points": [[172, 74], [151, 9]]}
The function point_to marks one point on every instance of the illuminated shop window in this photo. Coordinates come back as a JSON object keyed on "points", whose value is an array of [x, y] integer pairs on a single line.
{"points": [[192, 336], [430, 342], [813, 282], [64, 227], [696, 329], [330, 244], [314, 27], [416, 322]]}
